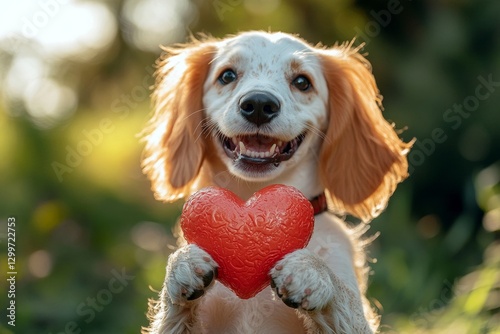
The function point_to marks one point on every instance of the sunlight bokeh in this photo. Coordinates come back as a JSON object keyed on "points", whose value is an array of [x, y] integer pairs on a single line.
{"points": [[150, 23], [42, 43]]}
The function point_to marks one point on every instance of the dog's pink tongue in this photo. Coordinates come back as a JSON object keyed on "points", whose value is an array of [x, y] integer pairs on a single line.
{"points": [[258, 143]]}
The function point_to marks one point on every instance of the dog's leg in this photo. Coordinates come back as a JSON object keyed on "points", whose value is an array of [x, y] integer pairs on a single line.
{"points": [[190, 272], [328, 305]]}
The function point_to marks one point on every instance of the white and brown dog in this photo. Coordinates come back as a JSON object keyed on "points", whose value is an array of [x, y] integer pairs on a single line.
{"points": [[257, 109]]}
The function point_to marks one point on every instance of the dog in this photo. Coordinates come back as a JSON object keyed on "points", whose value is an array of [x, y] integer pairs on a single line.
{"points": [[261, 108]]}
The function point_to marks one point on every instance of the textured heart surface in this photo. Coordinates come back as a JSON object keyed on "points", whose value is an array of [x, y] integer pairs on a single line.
{"points": [[246, 239]]}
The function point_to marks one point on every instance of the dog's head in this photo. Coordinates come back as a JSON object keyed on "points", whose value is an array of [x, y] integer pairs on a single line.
{"points": [[260, 104]]}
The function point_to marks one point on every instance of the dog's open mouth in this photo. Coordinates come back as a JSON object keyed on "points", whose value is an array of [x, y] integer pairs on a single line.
{"points": [[259, 149]]}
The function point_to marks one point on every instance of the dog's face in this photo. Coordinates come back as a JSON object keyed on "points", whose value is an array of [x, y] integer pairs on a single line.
{"points": [[266, 101]]}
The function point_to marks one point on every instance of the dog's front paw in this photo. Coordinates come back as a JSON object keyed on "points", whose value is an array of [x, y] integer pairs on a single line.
{"points": [[302, 280], [190, 272]]}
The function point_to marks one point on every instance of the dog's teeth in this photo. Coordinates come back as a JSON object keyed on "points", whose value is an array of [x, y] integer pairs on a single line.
{"points": [[243, 149], [280, 143], [273, 148], [235, 142]]}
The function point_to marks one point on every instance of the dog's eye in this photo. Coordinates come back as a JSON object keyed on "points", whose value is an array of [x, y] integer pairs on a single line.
{"points": [[227, 77], [301, 83]]}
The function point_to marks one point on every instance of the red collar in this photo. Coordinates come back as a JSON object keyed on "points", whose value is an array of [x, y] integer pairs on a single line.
{"points": [[319, 204]]}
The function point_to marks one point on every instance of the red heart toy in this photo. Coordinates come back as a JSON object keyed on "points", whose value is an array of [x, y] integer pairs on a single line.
{"points": [[246, 239]]}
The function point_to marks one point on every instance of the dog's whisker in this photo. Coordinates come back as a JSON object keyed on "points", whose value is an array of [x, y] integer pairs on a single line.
{"points": [[206, 125], [316, 131], [192, 114], [211, 129]]}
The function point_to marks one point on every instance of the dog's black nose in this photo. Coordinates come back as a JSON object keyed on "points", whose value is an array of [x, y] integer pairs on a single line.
{"points": [[259, 107]]}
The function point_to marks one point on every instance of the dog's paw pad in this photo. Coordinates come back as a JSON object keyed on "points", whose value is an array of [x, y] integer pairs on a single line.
{"points": [[302, 281], [209, 277], [190, 272], [195, 295]]}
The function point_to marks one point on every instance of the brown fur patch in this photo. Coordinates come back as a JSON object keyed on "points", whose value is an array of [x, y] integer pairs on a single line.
{"points": [[362, 158]]}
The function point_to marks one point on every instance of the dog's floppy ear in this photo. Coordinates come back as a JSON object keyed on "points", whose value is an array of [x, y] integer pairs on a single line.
{"points": [[175, 146], [362, 158]]}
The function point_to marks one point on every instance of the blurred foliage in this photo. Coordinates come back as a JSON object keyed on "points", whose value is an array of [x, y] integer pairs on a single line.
{"points": [[77, 227]]}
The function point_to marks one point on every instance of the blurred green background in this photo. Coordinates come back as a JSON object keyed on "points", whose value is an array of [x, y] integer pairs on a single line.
{"points": [[90, 238]]}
